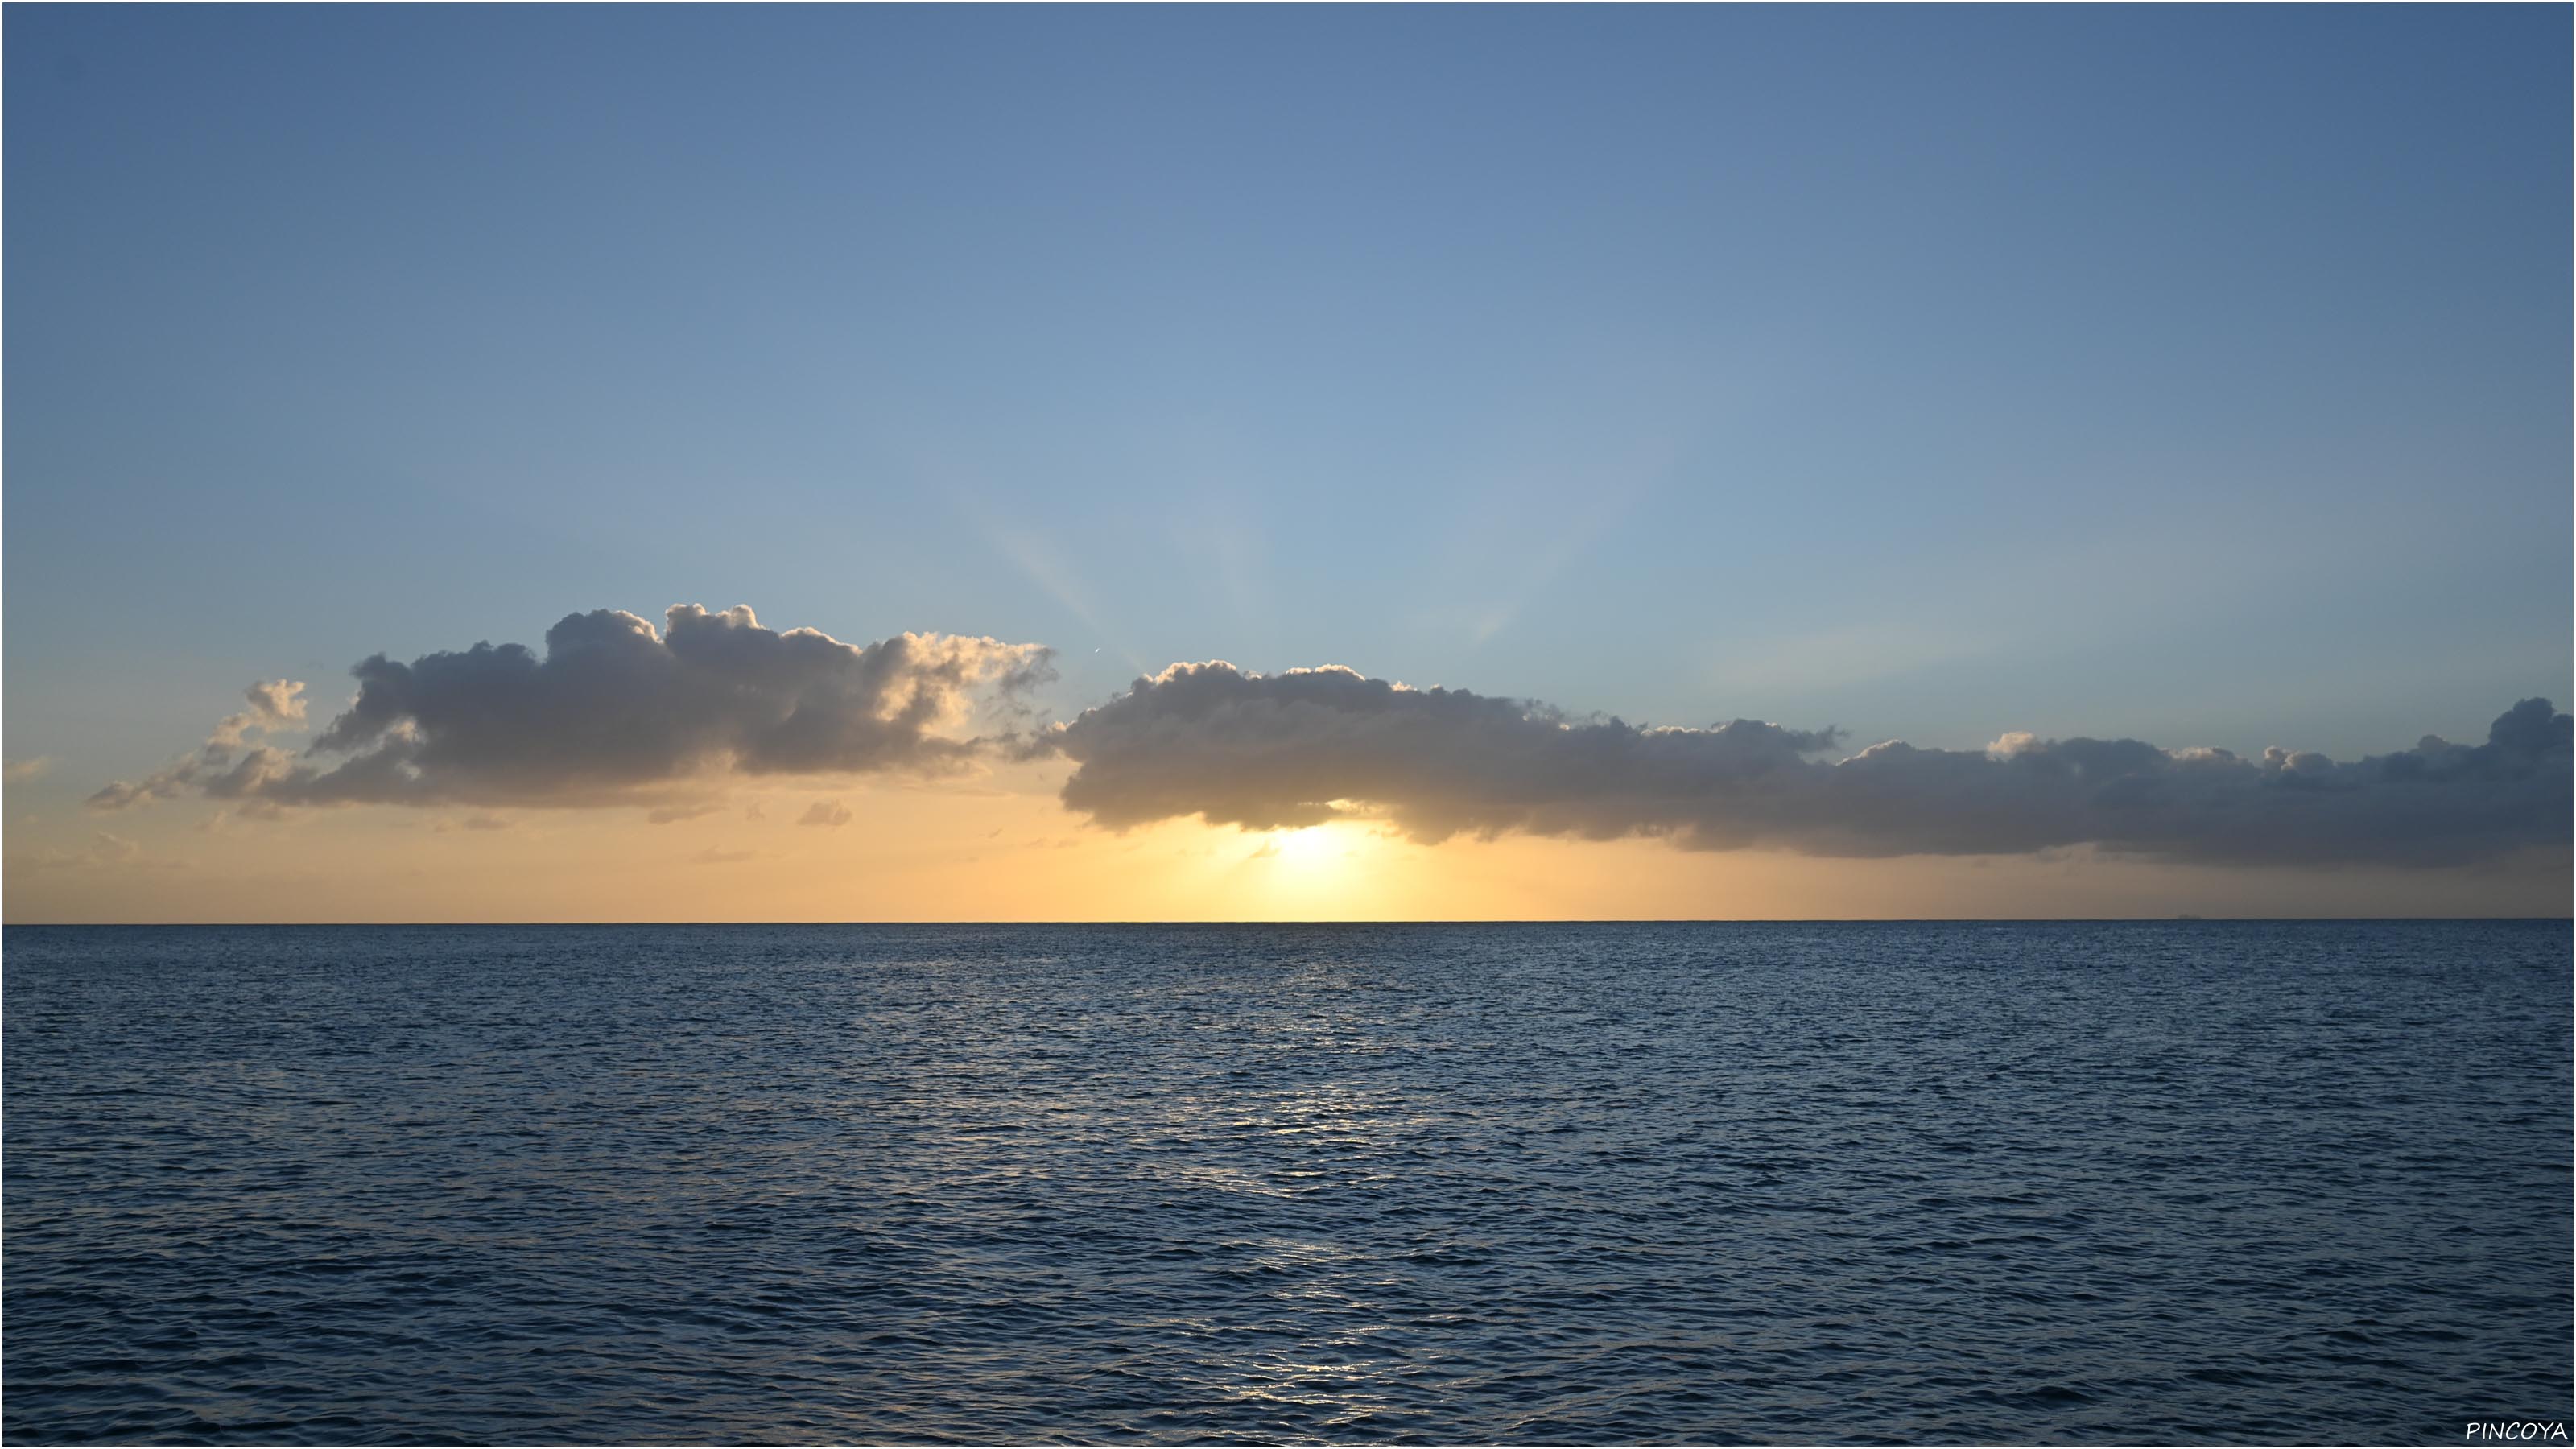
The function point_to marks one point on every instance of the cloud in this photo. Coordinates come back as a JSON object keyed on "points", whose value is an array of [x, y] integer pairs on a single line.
{"points": [[277, 702], [826, 812], [275, 705], [614, 712], [1294, 749], [263, 811], [673, 814], [220, 766], [19, 772], [472, 822], [105, 852]]}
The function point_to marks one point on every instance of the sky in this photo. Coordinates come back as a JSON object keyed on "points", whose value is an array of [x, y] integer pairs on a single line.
{"points": [[1995, 380]]}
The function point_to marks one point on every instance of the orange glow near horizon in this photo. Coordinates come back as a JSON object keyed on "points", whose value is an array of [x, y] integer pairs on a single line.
{"points": [[1001, 848], [1315, 873]]}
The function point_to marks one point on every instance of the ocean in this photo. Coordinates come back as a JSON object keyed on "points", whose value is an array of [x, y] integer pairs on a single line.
{"points": [[2155, 1181]]}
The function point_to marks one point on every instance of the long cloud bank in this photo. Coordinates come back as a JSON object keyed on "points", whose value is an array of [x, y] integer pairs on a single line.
{"points": [[611, 712], [614, 711], [1305, 746]]}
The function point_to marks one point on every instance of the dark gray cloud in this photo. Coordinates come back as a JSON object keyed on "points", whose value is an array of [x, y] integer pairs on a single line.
{"points": [[1265, 751], [610, 712]]}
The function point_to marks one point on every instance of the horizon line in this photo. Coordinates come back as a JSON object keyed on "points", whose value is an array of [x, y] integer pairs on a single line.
{"points": [[2203, 918]]}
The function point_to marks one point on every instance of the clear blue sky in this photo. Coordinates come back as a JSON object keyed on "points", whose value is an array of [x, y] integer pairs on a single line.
{"points": [[2199, 374]]}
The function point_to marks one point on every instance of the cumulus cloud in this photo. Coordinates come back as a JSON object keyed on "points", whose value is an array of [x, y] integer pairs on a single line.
{"points": [[275, 705], [220, 766], [612, 711], [1298, 748], [277, 702], [18, 772]]}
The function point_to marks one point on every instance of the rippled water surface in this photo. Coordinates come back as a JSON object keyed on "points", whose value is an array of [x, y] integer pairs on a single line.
{"points": [[2187, 1181]]}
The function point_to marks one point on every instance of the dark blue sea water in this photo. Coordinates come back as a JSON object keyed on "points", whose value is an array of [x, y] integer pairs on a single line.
{"points": [[2175, 1181]]}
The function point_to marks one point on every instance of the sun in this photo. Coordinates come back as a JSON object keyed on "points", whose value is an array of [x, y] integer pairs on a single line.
{"points": [[1316, 872], [1311, 848]]}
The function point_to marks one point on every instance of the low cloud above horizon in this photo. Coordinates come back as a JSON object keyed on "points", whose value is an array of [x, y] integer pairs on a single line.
{"points": [[614, 713], [1311, 745]]}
